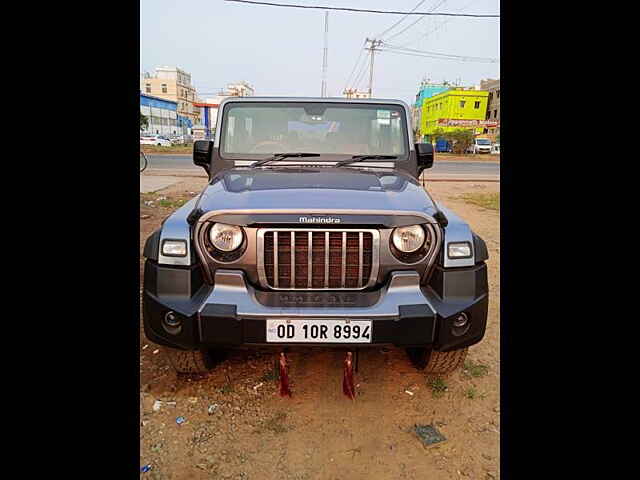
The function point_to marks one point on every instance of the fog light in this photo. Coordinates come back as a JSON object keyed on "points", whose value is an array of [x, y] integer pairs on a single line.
{"points": [[172, 319], [172, 323], [460, 325], [461, 320], [174, 248], [459, 250]]}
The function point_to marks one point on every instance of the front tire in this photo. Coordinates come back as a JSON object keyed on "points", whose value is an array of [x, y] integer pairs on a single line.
{"points": [[189, 361], [437, 363]]}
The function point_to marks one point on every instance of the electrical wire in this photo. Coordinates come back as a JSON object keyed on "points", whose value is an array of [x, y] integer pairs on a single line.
{"points": [[362, 10], [355, 66], [425, 35], [358, 80], [459, 58], [401, 19], [416, 21]]}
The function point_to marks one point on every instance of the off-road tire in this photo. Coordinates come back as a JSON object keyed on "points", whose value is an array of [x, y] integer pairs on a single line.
{"points": [[442, 363], [189, 361]]}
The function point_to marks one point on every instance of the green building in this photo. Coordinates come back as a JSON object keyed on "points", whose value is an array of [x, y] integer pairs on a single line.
{"points": [[451, 107]]}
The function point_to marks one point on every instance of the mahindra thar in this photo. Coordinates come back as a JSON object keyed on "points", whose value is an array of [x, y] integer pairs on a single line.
{"points": [[314, 230]]}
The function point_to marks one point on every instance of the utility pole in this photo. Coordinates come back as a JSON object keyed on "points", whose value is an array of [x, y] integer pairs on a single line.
{"points": [[372, 49], [323, 90]]}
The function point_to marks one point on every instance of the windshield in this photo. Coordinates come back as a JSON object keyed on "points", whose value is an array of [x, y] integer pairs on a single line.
{"points": [[254, 130], [482, 141]]}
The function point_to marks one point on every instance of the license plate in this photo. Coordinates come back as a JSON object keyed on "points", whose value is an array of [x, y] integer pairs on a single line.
{"points": [[319, 331]]}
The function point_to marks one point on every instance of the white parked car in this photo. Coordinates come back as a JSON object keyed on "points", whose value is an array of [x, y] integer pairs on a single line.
{"points": [[495, 149], [155, 140], [480, 145], [181, 139]]}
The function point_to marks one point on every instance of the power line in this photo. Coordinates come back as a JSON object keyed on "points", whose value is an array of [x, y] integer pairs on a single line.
{"points": [[355, 66], [413, 50], [360, 76], [416, 21], [361, 10], [426, 34], [437, 56], [399, 21]]}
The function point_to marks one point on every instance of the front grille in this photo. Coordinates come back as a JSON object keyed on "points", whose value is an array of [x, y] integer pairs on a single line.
{"points": [[320, 258]]}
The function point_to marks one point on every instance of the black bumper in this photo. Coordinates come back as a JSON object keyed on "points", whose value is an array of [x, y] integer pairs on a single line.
{"points": [[206, 324]]}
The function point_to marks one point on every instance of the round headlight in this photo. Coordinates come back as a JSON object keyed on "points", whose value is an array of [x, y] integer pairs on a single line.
{"points": [[225, 238], [408, 239]]}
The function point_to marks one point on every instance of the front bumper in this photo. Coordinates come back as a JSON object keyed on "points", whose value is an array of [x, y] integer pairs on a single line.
{"points": [[232, 313]]}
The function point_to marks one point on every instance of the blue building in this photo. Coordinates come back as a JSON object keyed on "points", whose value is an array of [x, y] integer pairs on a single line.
{"points": [[162, 116], [429, 90]]}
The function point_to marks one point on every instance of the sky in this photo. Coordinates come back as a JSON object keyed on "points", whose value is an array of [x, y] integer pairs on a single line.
{"points": [[279, 50]]}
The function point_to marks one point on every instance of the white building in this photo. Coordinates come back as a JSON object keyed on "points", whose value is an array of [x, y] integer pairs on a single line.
{"points": [[209, 107]]}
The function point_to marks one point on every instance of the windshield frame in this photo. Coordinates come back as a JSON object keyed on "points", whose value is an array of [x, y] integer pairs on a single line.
{"points": [[324, 157]]}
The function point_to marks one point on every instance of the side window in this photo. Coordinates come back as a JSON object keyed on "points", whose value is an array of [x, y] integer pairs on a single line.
{"points": [[462, 103], [476, 105]]}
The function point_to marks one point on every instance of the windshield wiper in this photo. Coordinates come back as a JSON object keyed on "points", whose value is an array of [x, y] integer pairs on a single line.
{"points": [[280, 156], [360, 158]]}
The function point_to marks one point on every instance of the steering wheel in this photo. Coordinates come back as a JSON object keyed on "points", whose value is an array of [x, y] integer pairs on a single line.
{"points": [[272, 147]]}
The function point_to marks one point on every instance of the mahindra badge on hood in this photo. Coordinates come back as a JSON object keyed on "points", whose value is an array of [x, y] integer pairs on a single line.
{"points": [[319, 220]]}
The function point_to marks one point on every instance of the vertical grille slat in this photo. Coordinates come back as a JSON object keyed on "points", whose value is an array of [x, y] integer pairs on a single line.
{"points": [[292, 278], [275, 260], [360, 260], [326, 259], [344, 259], [309, 258], [317, 259]]}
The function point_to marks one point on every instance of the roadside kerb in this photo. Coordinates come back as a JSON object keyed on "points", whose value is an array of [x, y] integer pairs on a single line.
{"points": [[153, 183]]}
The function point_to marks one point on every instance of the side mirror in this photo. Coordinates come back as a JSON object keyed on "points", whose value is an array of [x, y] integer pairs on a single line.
{"points": [[202, 153], [424, 155]]}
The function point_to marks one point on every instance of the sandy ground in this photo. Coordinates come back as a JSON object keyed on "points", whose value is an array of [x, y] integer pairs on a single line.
{"points": [[319, 433]]}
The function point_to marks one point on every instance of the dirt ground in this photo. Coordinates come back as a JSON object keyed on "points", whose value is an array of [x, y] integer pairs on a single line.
{"points": [[252, 433]]}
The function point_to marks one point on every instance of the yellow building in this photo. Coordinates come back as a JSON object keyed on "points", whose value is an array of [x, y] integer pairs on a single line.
{"points": [[172, 83], [453, 109]]}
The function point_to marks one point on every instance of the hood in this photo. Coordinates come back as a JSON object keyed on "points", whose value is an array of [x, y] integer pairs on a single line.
{"points": [[315, 188]]}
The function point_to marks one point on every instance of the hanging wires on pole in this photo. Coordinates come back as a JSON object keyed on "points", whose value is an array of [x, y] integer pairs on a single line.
{"points": [[442, 56], [380, 35], [364, 10], [355, 67], [416, 21], [433, 30]]}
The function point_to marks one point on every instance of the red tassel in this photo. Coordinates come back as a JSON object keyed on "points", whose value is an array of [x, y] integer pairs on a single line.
{"points": [[284, 377], [348, 387]]}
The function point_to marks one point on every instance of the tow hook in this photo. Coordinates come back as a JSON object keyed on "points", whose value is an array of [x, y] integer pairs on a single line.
{"points": [[348, 388], [284, 376]]}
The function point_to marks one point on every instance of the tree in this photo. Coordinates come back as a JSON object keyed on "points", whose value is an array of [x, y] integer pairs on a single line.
{"points": [[438, 133], [461, 139], [144, 121]]}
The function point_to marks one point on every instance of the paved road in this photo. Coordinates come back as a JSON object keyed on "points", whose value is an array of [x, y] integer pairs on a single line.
{"points": [[469, 168]]}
